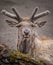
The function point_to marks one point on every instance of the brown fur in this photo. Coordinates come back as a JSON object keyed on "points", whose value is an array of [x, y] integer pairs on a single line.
{"points": [[26, 19]]}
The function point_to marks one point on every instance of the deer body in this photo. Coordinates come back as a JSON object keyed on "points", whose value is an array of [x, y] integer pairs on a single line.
{"points": [[45, 51]]}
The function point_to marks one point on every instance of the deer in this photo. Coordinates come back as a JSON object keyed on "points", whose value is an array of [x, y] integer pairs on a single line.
{"points": [[28, 40]]}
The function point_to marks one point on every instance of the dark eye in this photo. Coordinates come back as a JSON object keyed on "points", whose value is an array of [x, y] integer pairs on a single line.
{"points": [[19, 26], [33, 25]]}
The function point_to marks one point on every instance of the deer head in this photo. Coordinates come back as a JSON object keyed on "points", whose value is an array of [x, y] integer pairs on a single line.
{"points": [[25, 22], [26, 26]]}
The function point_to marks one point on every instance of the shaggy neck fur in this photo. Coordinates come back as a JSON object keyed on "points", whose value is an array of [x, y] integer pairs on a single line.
{"points": [[28, 45]]}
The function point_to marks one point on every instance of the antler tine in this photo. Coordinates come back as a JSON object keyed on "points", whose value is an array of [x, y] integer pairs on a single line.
{"points": [[41, 15], [34, 12], [18, 17], [8, 14]]}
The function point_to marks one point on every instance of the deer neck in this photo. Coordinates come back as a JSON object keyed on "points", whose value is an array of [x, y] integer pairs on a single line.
{"points": [[25, 44]]}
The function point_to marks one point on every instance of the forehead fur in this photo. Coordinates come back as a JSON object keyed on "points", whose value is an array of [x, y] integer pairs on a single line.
{"points": [[25, 23], [26, 19]]}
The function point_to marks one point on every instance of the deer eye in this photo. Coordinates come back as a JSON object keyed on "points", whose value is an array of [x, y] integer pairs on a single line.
{"points": [[18, 26], [33, 25]]}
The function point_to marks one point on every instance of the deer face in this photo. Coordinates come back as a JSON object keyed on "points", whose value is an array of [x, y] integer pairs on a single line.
{"points": [[25, 29]]}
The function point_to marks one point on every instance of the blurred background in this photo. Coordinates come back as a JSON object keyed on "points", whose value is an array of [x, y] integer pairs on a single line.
{"points": [[25, 8]]}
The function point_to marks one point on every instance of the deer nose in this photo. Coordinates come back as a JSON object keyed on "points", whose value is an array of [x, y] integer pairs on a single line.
{"points": [[26, 32]]}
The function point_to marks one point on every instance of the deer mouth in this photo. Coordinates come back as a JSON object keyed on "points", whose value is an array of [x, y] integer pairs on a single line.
{"points": [[26, 36]]}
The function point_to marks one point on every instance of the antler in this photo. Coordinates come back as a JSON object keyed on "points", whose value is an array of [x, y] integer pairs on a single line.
{"points": [[35, 17], [34, 12], [19, 19], [14, 16], [8, 14], [40, 15], [17, 15]]}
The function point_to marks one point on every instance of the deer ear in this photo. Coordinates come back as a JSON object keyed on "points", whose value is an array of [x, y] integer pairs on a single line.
{"points": [[11, 23], [41, 23]]}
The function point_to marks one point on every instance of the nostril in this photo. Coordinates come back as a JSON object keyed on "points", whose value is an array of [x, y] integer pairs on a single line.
{"points": [[26, 32]]}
